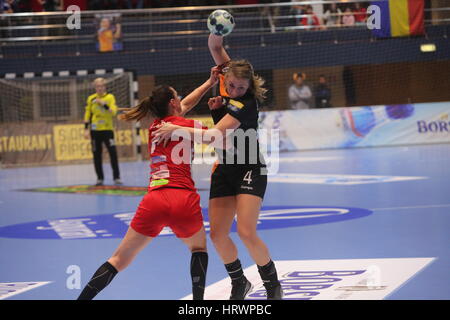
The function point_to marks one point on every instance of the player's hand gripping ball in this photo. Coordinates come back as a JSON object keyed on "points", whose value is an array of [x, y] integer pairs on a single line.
{"points": [[220, 23]]}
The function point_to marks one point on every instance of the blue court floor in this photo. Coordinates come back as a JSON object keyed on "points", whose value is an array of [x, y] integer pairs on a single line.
{"points": [[368, 223]]}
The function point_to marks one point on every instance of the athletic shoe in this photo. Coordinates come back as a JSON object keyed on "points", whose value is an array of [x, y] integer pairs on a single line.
{"points": [[274, 292], [118, 182], [99, 182], [240, 289]]}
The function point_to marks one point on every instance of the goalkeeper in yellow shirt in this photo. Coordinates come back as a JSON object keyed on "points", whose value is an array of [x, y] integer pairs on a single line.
{"points": [[100, 111]]}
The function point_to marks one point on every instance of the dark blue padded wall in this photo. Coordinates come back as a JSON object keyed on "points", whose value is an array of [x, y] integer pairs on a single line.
{"points": [[183, 55]]}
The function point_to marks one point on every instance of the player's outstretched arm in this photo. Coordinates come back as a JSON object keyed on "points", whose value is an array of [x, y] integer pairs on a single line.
{"points": [[218, 134], [192, 99]]}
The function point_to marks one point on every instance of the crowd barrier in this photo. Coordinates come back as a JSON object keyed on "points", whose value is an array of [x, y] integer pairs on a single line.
{"points": [[24, 144]]}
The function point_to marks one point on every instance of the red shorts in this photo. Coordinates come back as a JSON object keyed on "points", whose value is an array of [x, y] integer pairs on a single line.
{"points": [[178, 209]]}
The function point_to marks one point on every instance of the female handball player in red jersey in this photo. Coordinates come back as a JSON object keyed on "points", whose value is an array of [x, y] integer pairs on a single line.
{"points": [[172, 199], [239, 181]]}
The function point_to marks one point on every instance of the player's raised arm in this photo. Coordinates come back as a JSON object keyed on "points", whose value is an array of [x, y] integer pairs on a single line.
{"points": [[215, 45], [220, 23]]}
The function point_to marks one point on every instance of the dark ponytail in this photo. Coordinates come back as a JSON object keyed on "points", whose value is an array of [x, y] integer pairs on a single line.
{"points": [[155, 105]]}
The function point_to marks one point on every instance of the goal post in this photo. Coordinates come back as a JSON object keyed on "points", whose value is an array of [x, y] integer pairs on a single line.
{"points": [[60, 98], [41, 117]]}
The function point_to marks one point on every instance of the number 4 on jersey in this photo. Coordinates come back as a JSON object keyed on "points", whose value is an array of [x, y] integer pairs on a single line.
{"points": [[248, 177]]}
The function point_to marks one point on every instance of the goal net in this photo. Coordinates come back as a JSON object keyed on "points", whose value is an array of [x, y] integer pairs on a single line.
{"points": [[57, 99]]}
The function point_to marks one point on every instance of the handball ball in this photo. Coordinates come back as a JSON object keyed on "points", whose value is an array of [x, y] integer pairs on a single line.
{"points": [[220, 23]]}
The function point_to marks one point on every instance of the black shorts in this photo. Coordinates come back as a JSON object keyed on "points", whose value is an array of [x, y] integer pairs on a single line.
{"points": [[231, 180]]}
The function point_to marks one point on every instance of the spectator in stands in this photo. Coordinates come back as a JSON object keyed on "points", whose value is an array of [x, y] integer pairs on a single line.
{"points": [[360, 14], [134, 4], [82, 4], [8, 6], [99, 116], [271, 13], [94, 4], [311, 19], [52, 5], [349, 85], [37, 5], [111, 5], [23, 6], [161, 3], [103, 4], [348, 20], [333, 15], [298, 10], [322, 93], [299, 94]]}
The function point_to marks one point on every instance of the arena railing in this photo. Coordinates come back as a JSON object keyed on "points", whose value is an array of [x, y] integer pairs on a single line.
{"points": [[166, 23]]}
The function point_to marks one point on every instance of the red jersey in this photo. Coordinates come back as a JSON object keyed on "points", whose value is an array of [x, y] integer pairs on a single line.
{"points": [[360, 15], [170, 166]]}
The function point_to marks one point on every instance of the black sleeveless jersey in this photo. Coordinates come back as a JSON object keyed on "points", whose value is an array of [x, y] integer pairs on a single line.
{"points": [[245, 138]]}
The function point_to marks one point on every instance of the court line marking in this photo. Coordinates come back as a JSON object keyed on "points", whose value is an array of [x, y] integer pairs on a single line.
{"points": [[337, 179], [300, 159], [9, 289], [413, 207]]}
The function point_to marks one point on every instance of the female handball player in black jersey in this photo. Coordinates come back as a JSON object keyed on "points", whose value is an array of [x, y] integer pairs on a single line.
{"points": [[239, 181], [172, 199]]}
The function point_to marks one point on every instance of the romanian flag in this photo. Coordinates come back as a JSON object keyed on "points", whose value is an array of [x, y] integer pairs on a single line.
{"points": [[400, 18]]}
